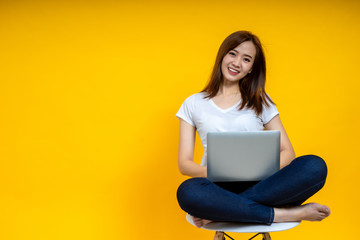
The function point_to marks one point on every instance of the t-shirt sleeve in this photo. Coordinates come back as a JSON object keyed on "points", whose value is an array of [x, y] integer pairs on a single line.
{"points": [[269, 112], [186, 111]]}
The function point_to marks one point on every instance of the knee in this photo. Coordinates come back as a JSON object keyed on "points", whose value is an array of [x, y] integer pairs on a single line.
{"points": [[187, 191], [314, 165]]}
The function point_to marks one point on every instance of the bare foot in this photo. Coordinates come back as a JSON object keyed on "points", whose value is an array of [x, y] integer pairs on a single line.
{"points": [[309, 212], [199, 222]]}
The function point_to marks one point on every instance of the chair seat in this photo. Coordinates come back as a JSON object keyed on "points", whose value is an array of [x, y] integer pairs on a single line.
{"points": [[245, 227]]}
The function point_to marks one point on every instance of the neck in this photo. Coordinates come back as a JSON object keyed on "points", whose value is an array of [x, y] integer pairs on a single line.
{"points": [[229, 88]]}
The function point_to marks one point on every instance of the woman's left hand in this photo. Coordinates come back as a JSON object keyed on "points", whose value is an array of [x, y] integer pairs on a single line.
{"points": [[287, 153]]}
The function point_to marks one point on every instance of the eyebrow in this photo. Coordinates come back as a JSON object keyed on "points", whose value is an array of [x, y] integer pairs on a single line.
{"points": [[244, 54]]}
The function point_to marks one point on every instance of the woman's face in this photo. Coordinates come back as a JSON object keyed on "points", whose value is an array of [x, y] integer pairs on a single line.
{"points": [[238, 62]]}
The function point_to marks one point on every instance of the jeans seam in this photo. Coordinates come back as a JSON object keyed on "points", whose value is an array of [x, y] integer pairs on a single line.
{"points": [[271, 220]]}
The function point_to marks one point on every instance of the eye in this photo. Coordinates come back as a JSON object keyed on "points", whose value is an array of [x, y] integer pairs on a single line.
{"points": [[232, 53], [247, 60]]}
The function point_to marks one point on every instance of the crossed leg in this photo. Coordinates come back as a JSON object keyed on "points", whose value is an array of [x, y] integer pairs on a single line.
{"points": [[292, 185]]}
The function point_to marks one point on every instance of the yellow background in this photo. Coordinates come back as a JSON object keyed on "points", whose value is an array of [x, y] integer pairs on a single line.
{"points": [[89, 92]]}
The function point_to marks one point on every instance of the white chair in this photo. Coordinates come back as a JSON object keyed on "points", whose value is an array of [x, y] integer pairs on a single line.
{"points": [[222, 227]]}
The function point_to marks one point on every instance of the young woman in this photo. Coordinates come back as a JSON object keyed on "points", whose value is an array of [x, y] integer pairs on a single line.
{"points": [[235, 100]]}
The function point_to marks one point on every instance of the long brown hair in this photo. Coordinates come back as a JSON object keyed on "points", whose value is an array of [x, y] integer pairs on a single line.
{"points": [[252, 86]]}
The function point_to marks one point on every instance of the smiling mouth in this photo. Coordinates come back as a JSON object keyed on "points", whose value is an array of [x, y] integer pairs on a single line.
{"points": [[233, 71]]}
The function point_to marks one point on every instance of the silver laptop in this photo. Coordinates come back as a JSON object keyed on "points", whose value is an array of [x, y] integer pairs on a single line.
{"points": [[242, 156]]}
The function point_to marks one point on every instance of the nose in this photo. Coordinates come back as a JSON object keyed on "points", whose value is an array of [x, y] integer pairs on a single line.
{"points": [[237, 62]]}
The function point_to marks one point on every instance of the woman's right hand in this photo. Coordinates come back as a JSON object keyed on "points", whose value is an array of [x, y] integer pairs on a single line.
{"points": [[186, 164]]}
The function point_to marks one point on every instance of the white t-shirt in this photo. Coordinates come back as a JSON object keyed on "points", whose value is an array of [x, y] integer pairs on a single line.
{"points": [[206, 117]]}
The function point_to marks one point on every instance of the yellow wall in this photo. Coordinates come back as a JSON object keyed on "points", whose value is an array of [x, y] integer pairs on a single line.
{"points": [[89, 92]]}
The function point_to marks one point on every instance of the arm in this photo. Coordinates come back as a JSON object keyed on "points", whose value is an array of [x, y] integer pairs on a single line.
{"points": [[287, 153], [186, 152]]}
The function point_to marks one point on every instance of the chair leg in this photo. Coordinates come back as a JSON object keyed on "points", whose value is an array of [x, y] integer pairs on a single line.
{"points": [[266, 236], [219, 236]]}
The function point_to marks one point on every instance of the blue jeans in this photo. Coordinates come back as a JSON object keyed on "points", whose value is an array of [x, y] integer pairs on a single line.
{"points": [[230, 202]]}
